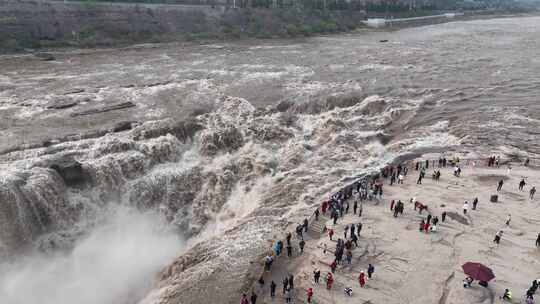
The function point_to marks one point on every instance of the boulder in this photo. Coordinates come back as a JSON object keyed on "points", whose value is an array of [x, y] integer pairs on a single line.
{"points": [[71, 171]]}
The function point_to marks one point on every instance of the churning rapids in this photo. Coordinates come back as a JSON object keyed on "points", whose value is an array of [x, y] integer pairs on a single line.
{"points": [[157, 173]]}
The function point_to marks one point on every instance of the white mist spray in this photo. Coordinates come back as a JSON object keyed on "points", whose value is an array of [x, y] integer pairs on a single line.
{"points": [[116, 263]]}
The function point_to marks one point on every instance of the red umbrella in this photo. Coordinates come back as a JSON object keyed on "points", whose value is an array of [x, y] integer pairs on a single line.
{"points": [[478, 271]]}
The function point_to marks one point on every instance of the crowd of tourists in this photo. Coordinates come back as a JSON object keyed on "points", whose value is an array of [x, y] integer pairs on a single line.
{"points": [[367, 189]]}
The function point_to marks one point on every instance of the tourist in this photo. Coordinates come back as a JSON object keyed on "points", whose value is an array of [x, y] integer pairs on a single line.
{"points": [[317, 214], [419, 181], [435, 221], [353, 229], [288, 296], [467, 282], [508, 219], [392, 205], [288, 238], [301, 244], [474, 203], [324, 248], [532, 192], [530, 294], [309, 294], [253, 297], [465, 207], [272, 289], [285, 284], [499, 187], [346, 231], [244, 299], [316, 275], [522, 184], [362, 279], [498, 236], [370, 270], [360, 210], [400, 179], [329, 281], [354, 239], [279, 247], [428, 218], [355, 206], [349, 257], [324, 207], [291, 281], [299, 230], [268, 262], [333, 266], [426, 227], [422, 224], [443, 216], [330, 233], [507, 295], [538, 241], [359, 228], [289, 250]]}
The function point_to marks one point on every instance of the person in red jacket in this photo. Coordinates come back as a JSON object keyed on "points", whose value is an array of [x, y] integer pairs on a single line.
{"points": [[324, 206], [362, 279], [333, 266], [309, 294], [330, 233], [329, 281], [392, 205]]}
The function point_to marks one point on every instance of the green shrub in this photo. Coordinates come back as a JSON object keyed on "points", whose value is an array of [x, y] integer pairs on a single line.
{"points": [[307, 30], [328, 26], [293, 30]]}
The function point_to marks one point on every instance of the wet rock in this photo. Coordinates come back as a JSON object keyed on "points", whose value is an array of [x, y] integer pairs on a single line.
{"points": [[104, 109], [44, 56], [62, 104], [123, 126], [71, 171], [183, 130]]}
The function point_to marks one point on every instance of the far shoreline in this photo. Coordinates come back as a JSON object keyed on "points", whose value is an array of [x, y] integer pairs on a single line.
{"points": [[193, 39]]}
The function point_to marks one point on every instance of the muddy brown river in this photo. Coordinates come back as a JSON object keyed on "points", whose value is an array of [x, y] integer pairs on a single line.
{"points": [[481, 77]]}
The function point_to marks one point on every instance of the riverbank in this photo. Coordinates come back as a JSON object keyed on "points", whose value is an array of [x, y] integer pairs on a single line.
{"points": [[42, 24], [405, 258], [86, 25]]}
